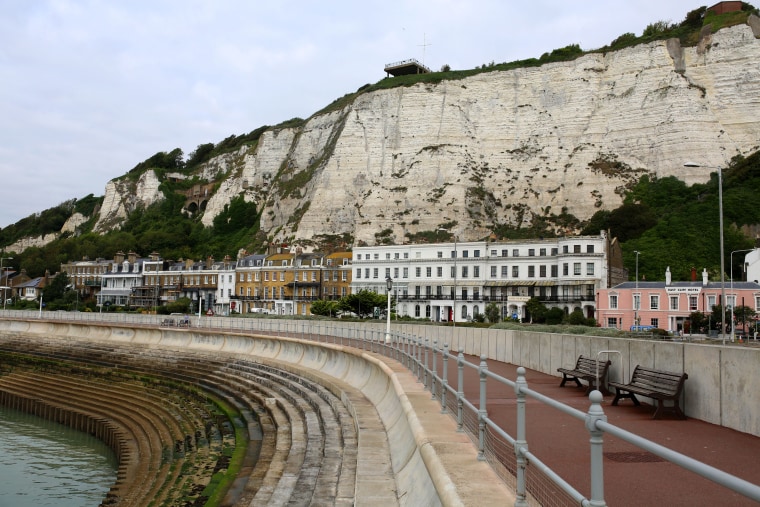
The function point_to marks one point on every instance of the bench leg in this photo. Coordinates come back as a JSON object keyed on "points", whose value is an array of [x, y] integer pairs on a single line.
{"points": [[625, 394], [565, 378]]}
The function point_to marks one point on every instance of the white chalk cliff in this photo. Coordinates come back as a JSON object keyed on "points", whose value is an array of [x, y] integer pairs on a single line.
{"points": [[498, 148]]}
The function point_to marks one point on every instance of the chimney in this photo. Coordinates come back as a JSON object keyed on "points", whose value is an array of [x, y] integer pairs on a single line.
{"points": [[693, 274], [668, 279], [118, 258], [704, 277], [132, 257]]}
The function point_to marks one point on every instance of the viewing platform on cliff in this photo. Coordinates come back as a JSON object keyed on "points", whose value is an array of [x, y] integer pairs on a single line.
{"points": [[406, 67]]}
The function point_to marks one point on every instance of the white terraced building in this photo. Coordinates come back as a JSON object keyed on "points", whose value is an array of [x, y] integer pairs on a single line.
{"points": [[441, 280]]}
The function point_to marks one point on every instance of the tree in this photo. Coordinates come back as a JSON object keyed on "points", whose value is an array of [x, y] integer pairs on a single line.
{"points": [[743, 315], [325, 308], [555, 316], [362, 303], [699, 322], [492, 312], [536, 310]]}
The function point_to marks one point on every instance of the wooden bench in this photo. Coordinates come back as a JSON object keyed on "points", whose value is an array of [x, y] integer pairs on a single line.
{"points": [[659, 385], [588, 369]]}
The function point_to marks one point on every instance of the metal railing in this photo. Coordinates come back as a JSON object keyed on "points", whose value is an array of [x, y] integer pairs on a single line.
{"points": [[509, 455]]}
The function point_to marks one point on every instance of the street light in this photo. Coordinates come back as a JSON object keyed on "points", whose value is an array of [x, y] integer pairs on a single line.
{"points": [[731, 277], [637, 302], [722, 269], [6, 278], [389, 288]]}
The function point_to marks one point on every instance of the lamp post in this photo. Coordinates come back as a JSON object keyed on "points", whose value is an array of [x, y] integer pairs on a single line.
{"points": [[731, 278], [722, 268], [454, 298], [389, 289], [1, 276], [636, 297]]}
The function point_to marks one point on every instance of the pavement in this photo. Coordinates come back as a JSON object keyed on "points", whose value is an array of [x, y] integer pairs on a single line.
{"points": [[632, 476]]}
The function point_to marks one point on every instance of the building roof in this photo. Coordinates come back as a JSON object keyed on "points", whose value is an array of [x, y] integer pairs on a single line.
{"points": [[643, 285]]}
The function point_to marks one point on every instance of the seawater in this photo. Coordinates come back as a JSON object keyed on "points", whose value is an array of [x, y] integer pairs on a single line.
{"points": [[43, 463]]}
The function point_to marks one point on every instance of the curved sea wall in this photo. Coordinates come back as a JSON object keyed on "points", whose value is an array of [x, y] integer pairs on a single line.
{"points": [[417, 461]]}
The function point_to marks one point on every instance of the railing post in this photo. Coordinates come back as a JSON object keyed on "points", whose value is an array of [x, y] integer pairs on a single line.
{"points": [[435, 371], [418, 357], [482, 413], [426, 367], [445, 377], [596, 413], [521, 443], [460, 390]]}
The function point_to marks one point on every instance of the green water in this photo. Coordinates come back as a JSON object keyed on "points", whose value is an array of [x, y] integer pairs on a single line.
{"points": [[43, 463]]}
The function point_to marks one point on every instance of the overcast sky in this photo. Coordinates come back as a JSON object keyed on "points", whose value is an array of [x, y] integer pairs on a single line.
{"points": [[89, 88]]}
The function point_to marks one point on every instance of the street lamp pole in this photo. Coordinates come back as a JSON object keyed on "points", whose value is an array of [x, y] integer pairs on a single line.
{"points": [[389, 289], [637, 302], [731, 277], [722, 255], [454, 298], [6, 278]]}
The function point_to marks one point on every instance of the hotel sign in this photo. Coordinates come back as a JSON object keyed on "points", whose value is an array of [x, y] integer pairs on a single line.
{"points": [[683, 290]]}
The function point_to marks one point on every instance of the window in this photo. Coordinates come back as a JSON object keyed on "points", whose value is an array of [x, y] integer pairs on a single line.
{"points": [[416, 310], [476, 271], [358, 257], [388, 255], [564, 269], [590, 268], [555, 251], [531, 252], [427, 311], [453, 272], [476, 253], [654, 322], [406, 255], [395, 255], [515, 252], [555, 271], [439, 271], [428, 271], [542, 252], [375, 272], [358, 273], [395, 272], [654, 302], [637, 301], [730, 302], [589, 248], [565, 249], [710, 301], [440, 255], [613, 301], [266, 276], [494, 270], [418, 272], [377, 256], [504, 252], [493, 253], [387, 273], [674, 302], [453, 254], [465, 272], [504, 271], [531, 271], [405, 272], [576, 249], [693, 303], [612, 322], [576, 268], [515, 271], [282, 276], [464, 312], [542, 271], [465, 254]]}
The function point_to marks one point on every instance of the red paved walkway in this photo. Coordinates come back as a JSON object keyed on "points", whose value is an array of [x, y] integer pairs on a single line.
{"points": [[632, 477]]}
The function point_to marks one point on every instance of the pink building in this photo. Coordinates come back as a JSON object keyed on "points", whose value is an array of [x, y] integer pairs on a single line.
{"points": [[668, 305]]}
